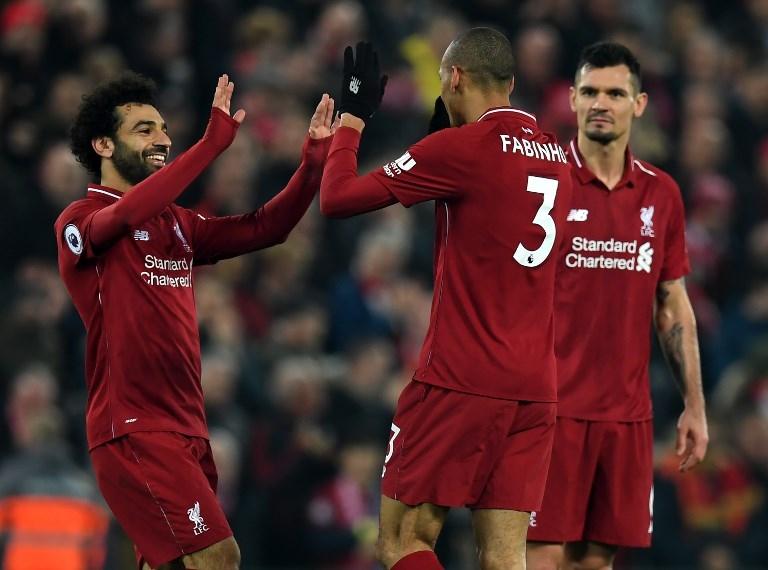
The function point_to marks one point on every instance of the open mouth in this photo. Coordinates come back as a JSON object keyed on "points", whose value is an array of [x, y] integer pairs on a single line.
{"points": [[156, 158]]}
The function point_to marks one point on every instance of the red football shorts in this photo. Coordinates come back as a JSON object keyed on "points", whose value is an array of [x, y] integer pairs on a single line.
{"points": [[454, 449], [600, 485], [161, 487]]}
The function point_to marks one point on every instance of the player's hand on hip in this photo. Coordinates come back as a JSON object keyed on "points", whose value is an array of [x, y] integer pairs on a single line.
{"points": [[692, 438], [363, 84], [222, 97], [321, 124]]}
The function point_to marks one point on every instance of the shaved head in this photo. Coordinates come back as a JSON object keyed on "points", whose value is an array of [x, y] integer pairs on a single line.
{"points": [[485, 55]]}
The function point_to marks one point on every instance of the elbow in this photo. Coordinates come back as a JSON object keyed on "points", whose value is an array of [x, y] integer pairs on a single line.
{"points": [[329, 208]]}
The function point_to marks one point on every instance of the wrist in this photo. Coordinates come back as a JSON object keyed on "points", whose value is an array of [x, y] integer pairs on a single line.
{"points": [[350, 120]]}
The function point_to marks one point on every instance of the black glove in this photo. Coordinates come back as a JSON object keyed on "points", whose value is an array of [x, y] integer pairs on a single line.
{"points": [[363, 86], [440, 119]]}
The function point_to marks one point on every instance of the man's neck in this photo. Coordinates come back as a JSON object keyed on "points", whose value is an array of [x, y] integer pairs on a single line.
{"points": [[111, 179], [606, 161], [478, 105]]}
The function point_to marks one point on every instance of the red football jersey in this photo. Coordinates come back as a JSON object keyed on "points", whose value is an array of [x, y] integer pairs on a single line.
{"points": [[619, 245], [502, 189]]}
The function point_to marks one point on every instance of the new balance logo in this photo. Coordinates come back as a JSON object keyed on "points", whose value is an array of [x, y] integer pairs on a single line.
{"points": [[354, 85], [577, 216], [527, 130], [197, 520], [141, 235], [645, 257]]}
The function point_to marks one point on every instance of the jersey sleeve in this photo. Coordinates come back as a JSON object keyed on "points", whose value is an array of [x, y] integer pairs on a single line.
{"points": [[73, 232], [216, 238], [431, 169], [676, 264]]}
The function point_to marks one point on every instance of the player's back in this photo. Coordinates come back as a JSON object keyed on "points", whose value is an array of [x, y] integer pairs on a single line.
{"points": [[491, 329]]}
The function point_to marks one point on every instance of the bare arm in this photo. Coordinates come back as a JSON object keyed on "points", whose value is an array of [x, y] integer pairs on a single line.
{"points": [[676, 329]]}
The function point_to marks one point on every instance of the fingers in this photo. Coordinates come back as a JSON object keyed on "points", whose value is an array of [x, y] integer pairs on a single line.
{"points": [[328, 120], [349, 60], [239, 116], [680, 443], [384, 79]]}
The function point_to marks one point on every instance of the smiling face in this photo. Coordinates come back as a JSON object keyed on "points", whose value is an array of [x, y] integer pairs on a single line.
{"points": [[141, 142], [605, 100]]}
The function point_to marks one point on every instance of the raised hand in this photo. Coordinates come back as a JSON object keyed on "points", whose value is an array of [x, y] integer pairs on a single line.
{"points": [[223, 96], [321, 125], [363, 85]]}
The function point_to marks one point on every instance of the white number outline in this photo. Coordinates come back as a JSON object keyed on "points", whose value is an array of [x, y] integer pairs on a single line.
{"points": [[548, 188], [395, 433]]}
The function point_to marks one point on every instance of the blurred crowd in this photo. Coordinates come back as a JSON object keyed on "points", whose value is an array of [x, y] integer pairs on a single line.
{"points": [[307, 345]]}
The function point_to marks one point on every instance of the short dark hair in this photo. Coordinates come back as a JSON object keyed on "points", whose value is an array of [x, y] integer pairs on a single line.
{"points": [[485, 54], [98, 116], [609, 54]]}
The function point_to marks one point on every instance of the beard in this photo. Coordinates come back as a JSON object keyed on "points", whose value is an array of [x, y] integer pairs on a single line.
{"points": [[130, 164], [601, 137]]}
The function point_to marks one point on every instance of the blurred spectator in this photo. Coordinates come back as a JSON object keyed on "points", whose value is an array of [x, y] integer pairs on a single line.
{"points": [[51, 515], [311, 341]]}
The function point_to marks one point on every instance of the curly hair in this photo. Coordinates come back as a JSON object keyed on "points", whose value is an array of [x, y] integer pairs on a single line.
{"points": [[98, 117]]}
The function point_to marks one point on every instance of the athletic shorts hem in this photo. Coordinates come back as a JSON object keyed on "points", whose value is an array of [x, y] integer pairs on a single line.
{"points": [[209, 540], [620, 542], [456, 504]]}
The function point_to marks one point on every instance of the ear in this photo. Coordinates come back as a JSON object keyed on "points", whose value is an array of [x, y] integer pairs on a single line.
{"points": [[511, 86], [641, 102], [455, 78], [103, 146], [572, 98]]}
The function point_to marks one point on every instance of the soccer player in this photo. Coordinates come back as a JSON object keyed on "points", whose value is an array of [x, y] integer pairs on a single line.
{"points": [[126, 253], [474, 427], [620, 270]]}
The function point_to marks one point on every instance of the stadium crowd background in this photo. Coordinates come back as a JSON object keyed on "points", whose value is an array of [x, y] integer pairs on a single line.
{"points": [[307, 345]]}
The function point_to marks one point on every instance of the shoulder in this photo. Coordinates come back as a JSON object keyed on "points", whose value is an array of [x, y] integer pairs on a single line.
{"points": [[187, 214], [660, 179], [77, 210]]}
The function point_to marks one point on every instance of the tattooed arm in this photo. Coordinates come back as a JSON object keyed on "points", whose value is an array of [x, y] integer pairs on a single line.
{"points": [[676, 328]]}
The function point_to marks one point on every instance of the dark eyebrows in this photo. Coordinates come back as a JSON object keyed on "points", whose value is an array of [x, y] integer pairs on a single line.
{"points": [[147, 123]]}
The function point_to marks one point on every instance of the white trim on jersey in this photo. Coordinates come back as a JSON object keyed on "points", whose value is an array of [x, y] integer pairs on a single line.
{"points": [[104, 192], [506, 110], [575, 154], [644, 169]]}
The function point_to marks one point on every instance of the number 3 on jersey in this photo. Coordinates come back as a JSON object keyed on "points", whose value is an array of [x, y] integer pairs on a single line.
{"points": [[548, 188], [391, 450]]}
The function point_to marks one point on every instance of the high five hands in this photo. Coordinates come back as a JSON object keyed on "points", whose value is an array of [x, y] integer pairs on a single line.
{"points": [[363, 84], [223, 97]]}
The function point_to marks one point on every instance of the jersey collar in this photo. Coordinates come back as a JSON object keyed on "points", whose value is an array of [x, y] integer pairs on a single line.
{"points": [[585, 175], [104, 192], [498, 112]]}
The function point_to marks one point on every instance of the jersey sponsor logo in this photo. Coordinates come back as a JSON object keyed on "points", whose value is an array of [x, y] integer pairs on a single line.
{"points": [[646, 216], [645, 258], [589, 254], [164, 279], [131, 420], [74, 239], [141, 235], [579, 215], [402, 164], [197, 519], [354, 85]]}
